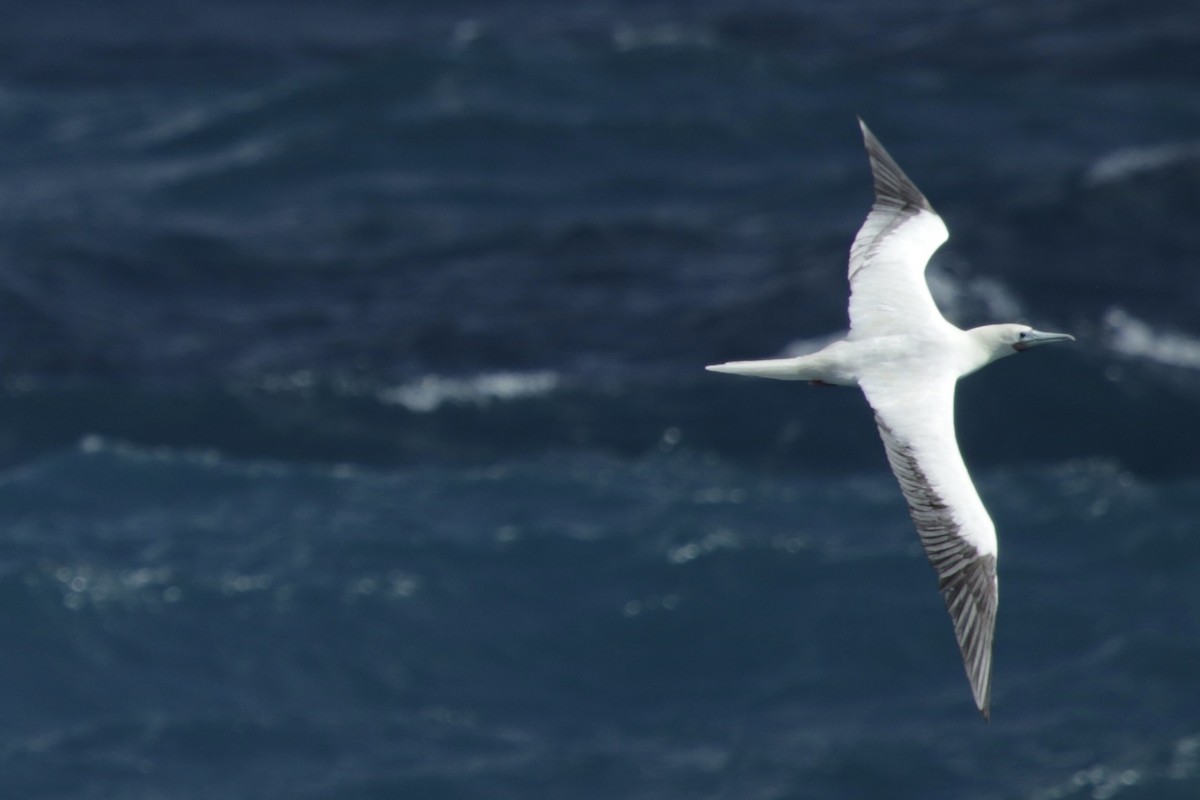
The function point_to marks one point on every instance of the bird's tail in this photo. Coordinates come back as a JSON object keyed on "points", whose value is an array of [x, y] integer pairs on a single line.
{"points": [[784, 369]]}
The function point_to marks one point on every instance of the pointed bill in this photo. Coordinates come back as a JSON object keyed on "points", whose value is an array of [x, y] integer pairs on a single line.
{"points": [[1031, 339]]}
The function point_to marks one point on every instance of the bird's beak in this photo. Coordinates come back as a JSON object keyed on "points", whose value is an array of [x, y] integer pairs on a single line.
{"points": [[1036, 338]]}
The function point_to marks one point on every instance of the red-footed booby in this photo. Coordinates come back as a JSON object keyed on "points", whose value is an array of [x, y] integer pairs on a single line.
{"points": [[907, 358]]}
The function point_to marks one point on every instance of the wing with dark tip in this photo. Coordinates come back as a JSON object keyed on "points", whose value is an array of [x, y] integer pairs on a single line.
{"points": [[915, 416], [888, 292]]}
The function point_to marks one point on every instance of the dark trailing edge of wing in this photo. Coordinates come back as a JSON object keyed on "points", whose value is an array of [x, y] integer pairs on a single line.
{"points": [[966, 579], [893, 189]]}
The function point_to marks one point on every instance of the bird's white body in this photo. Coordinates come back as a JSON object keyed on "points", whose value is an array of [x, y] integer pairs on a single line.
{"points": [[847, 361], [907, 358]]}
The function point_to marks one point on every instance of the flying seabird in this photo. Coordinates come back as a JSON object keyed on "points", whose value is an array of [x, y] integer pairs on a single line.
{"points": [[907, 358]]}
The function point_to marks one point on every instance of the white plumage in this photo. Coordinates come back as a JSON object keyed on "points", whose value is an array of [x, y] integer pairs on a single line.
{"points": [[907, 359]]}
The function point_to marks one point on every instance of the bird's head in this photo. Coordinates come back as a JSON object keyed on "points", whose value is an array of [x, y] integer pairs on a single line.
{"points": [[1024, 337], [997, 341]]}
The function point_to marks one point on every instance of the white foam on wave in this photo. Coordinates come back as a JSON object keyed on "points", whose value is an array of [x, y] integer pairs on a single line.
{"points": [[173, 123], [1131, 161], [1132, 337], [968, 298], [432, 391], [1104, 781], [1099, 781], [630, 37], [93, 443]]}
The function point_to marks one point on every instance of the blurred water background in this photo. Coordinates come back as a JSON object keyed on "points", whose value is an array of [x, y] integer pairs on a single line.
{"points": [[355, 441]]}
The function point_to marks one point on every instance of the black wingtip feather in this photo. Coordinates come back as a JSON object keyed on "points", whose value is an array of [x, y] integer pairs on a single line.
{"points": [[966, 578], [972, 587], [893, 189]]}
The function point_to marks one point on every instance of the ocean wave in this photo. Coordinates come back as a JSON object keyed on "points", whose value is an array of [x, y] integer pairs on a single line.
{"points": [[1103, 781], [628, 37], [173, 124], [973, 297], [432, 391], [1134, 338], [1131, 161]]}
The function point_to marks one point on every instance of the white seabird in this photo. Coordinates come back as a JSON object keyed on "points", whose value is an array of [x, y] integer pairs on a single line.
{"points": [[907, 358]]}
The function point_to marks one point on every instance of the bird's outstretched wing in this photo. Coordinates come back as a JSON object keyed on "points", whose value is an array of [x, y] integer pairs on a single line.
{"points": [[888, 292], [915, 415]]}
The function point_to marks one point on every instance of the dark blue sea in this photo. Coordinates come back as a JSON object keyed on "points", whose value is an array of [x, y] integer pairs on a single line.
{"points": [[355, 441]]}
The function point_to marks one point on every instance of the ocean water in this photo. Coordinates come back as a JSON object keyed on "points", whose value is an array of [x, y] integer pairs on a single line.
{"points": [[355, 440]]}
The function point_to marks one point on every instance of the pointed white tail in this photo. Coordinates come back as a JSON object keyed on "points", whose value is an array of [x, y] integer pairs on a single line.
{"points": [[784, 369]]}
